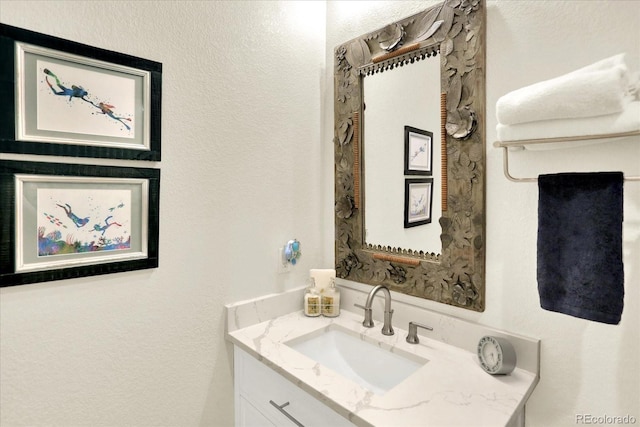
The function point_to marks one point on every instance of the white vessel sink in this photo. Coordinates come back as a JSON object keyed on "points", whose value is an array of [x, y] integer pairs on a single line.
{"points": [[372, 364]]}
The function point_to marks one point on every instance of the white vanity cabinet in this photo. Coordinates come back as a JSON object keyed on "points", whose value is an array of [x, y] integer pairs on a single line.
{"points": [[265, 398]]}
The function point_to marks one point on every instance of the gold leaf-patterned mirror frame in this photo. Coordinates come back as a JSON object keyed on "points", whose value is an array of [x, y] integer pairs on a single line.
{"points": [[456, 275]]}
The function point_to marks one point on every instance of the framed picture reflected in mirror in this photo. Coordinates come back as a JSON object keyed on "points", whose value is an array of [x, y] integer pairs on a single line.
{"points": [[418, 194], [418, 151]]}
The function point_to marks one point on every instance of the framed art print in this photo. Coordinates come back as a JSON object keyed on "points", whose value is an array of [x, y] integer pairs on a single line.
{"points": [[418, 151], [418, 195], [61, 221], [63, 98]]}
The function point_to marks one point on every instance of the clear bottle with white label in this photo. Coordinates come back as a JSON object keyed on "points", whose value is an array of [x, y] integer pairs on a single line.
{"points": [[331, 300], [312, 300]]}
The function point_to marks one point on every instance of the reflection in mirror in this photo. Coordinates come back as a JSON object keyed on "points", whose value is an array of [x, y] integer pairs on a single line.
{"points": [[407, 96]]}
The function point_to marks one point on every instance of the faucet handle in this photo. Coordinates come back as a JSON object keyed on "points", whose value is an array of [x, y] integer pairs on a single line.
{"points": [[367, 322], [412, 336]]}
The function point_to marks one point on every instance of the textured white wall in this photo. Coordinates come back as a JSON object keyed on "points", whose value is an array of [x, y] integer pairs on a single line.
{"points": [[586, 367], [241, 174]]}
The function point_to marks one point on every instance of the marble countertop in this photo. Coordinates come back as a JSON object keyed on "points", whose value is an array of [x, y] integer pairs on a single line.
{"points": [[450, 390]]}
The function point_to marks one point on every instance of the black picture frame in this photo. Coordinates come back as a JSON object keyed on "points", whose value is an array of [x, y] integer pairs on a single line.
{"points": [[418, 200], [20, 180], [418, 161], [18, 106]]}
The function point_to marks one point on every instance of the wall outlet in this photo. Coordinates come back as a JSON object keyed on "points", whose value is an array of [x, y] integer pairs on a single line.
{"points": [[283, 265]]}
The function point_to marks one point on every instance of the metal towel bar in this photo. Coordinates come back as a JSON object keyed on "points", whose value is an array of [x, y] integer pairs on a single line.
{"points": [[505, 145]]}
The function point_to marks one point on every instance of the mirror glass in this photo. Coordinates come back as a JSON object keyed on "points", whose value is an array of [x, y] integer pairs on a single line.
{"points": [[422, 76], [405, 96]]}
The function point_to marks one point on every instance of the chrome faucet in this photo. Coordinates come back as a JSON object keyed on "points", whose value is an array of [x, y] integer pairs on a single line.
{"points": [[387, 329]]}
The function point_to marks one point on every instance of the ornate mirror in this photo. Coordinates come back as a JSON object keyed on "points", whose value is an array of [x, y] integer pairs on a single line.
{"points": [[414, 89]]}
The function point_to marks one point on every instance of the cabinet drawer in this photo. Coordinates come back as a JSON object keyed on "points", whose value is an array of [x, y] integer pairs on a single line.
{"points": [[265, 389], [249, 416]]}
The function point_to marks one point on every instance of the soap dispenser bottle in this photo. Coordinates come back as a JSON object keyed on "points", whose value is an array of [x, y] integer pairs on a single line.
{"points": [[312, 299], [331, 300]]}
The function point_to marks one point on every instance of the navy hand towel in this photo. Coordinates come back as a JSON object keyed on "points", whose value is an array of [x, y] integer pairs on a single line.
{"points": [[580, 271]]}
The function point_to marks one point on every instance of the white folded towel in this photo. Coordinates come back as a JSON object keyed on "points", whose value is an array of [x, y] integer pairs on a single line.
{"points": [[603, 64], [626, 121], [597, 89]]}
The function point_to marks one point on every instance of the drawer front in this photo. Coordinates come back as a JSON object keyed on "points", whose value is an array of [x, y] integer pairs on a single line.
{"points": [[277, 398], [248, 416]]}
